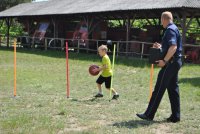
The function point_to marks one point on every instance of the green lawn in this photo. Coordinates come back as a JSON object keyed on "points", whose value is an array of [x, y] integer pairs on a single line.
{"points": [[41, 106]]}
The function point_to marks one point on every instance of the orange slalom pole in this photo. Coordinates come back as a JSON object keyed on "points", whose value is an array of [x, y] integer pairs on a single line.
{"points": [[151, 81], [15, 69], [67, 70]]}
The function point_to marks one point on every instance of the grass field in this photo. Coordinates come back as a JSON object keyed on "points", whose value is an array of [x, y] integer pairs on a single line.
{"points": [[41, 106]]}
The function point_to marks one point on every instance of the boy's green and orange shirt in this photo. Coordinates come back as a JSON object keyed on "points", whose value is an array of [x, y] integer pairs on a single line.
{"points": [[106, 62]]}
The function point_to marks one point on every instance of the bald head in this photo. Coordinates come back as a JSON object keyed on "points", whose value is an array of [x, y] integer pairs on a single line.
{"points": [[166, 18]]}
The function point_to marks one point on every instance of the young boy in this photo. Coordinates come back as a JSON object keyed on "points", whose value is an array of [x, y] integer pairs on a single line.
{"points": [[106, 73]]}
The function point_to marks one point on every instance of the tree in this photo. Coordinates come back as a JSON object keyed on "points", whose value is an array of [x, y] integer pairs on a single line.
{"points": [[15, 28], [5, 4]]}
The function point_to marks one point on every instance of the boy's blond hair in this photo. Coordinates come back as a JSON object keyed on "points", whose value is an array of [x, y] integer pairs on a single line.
{"points": [[103, 47]]}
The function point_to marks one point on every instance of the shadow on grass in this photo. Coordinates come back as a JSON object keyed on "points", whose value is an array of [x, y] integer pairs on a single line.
{"points": [[193, 81], [89, 100], [135, 123], [121, 60]]}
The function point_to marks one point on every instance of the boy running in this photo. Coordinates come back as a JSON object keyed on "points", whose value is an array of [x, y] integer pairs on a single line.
{"points": [[106, 74]]}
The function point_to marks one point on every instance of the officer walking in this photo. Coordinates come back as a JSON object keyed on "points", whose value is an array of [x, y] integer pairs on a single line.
{"points": [[168, 75]]}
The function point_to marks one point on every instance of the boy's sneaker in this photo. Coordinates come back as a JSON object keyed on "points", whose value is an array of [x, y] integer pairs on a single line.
{"points": [[98, 95], [115, 97]]}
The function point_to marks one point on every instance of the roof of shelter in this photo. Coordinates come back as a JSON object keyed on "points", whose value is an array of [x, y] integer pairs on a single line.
{"points": [[69, 7]]}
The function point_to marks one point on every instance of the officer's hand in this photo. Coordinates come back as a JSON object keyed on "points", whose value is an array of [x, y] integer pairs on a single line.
{"points": [[157, 45], [161, 63]]}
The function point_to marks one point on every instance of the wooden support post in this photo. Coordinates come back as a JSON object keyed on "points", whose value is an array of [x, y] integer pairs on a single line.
{"points": [[54, 30], [127, 34], [142, 51], [184, 26], [28, 26], [87, 46], [117, 48], [0, 34], [8, 31], [45, 44], [97, 47], [78, 47], [184, 29], [63, 43]]}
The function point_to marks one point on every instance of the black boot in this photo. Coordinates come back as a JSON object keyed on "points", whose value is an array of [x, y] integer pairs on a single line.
{"points": [[144, 117], [173, 119]]}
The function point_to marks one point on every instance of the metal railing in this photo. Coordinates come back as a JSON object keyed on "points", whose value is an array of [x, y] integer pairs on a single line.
{"points": [[128, 48], [125, 48]]}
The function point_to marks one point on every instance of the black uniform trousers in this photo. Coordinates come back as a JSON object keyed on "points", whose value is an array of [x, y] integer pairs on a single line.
{"points": [[167, 79]]}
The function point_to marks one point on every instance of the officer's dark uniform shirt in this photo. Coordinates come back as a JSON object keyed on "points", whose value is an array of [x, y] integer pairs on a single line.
{"points": [[172, 37]]}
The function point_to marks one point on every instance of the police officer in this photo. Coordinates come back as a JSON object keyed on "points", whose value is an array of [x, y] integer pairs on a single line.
{"points": [[168, 75]]}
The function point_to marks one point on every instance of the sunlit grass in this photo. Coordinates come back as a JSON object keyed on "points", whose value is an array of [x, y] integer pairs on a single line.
{"points": [[41, 106]]}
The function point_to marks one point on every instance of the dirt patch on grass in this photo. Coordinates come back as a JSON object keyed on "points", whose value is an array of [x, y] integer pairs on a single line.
{"points": [[103, 122], [73, 127], [163, 129]]}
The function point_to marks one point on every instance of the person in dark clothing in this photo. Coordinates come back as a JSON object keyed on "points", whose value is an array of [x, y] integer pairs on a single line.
{"points": [[168, 75]]}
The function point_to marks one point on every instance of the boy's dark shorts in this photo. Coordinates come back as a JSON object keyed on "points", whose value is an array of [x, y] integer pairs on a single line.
{"points": [[102, 79]]}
